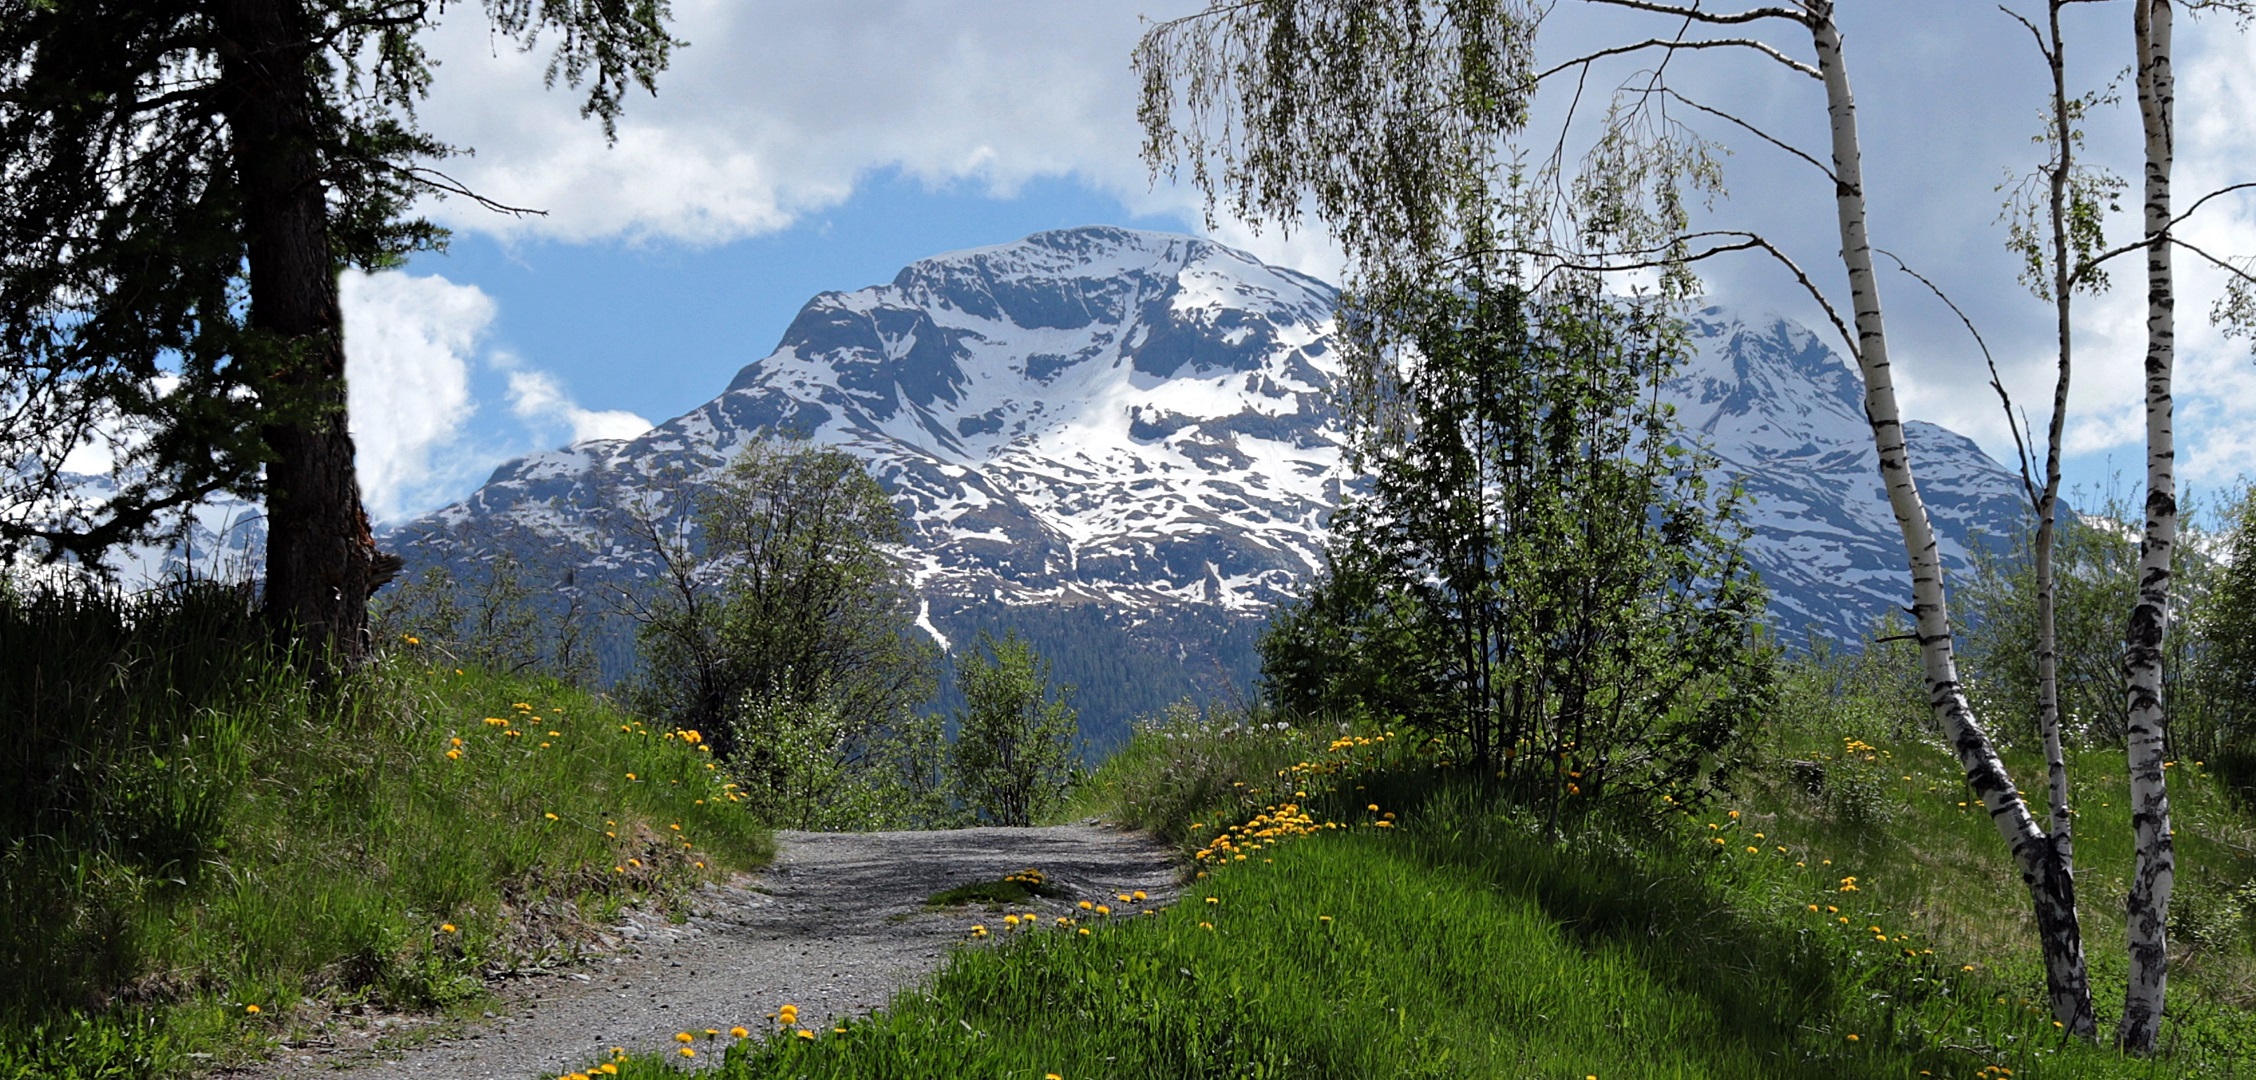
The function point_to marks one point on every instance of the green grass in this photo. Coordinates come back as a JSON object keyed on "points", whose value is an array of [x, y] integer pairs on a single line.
{"points": [[1016, 888], [1463, 943], [323, 851]]}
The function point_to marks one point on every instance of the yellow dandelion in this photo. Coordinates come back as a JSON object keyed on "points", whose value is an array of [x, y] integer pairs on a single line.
{"points": [[446, 928], [805, 1034], [738, 1033], [252, 1010], [550, 816], [687, 1052], [682, 1036]]}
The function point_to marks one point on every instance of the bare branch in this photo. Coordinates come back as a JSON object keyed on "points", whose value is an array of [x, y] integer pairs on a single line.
{"points": [[433, 178], [1673, 44], [2020, 447], [2042, 48], [1752, 129], [2221, 264], [1662, 255], [2144, 242], [1718, 18]]}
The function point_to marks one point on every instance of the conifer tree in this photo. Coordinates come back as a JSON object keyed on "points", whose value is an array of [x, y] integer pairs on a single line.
{"points": [[183, 180]]}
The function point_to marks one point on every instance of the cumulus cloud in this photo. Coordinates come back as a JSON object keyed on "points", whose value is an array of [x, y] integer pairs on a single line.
{"points": [[776, 109], [538, 399], [413, 345], [408, 345]]}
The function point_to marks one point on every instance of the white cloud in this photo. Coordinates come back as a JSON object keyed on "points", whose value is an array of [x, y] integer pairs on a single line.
{"points": [[408, 343], [538, 399], [776, 109]]}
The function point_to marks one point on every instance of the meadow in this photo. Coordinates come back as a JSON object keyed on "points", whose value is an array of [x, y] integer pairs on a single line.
{"points": [[1363, 909], [207, 854]]}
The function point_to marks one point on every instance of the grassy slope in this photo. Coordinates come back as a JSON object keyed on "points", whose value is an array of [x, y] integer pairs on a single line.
{"points": [[1462, 944], [355, 863]]}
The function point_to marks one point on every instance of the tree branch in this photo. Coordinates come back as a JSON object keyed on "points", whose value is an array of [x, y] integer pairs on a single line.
{"points": [[2021, 448], [2220, 263], [2144, 242], [433, 178], [1718, 18], [1745, 241], [1757, 132], [1672, 45]]}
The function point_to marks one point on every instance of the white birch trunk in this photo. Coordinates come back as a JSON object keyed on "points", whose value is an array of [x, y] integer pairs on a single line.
{"points": [[2051, 888], [2063, 831], [2148, 906]]}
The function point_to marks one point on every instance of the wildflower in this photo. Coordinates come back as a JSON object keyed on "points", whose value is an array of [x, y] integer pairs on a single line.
{"points": [[1084, 931], [1052, 1076], [608, 1069], [446, 928], [1140, 898], [630, 776], [805, 1034], [1103, 910], [789, 1014], [1086, 906], [977, 930], [1011, 921], [1374, 808], [1213, 899], [454, 755], [1206, 926], [252, 1010], [550, 816], [1734, 815], [1852, 1037], [682, 1036], [1325, 919], [687, 1052]]}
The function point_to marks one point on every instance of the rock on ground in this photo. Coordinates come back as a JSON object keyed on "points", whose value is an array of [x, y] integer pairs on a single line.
{"points": [[835, 926]]}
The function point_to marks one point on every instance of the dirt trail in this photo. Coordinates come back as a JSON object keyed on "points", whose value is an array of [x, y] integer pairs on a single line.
{"points": [[835, 926]]}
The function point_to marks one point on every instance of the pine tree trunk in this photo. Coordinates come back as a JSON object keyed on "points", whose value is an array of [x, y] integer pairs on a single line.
{"points": [[2051, 888], [2149, 902], [321, 563]]}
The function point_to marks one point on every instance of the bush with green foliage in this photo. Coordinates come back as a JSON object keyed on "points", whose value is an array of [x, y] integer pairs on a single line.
{"points": [[1539, 572], [784, 617], [1012, 760]]}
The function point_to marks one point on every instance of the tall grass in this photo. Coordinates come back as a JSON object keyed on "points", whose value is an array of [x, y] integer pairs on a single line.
{"points": [[1779, 932], [205, 853]]}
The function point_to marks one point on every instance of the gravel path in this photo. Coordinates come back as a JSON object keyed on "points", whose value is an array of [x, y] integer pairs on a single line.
{"points": [[835, 926]]}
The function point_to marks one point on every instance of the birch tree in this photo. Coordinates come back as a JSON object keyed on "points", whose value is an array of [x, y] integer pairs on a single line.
{"points": [[2056, 218], [1241, 46], [2146, 632]]}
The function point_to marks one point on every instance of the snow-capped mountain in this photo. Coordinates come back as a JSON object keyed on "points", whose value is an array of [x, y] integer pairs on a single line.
{"points": [[1785, 413], [1127, 437]]}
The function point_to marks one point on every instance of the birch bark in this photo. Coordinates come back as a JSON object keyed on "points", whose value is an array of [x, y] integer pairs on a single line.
{"points": [[2051, 886], [2148, 905]]}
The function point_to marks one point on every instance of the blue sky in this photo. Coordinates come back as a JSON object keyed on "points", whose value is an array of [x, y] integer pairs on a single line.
{"points": [[803, 145], [658, 329]]}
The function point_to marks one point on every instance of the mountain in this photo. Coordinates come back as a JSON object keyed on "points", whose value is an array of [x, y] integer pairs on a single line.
{"points": [[1123, 444], [1785, 414]]}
